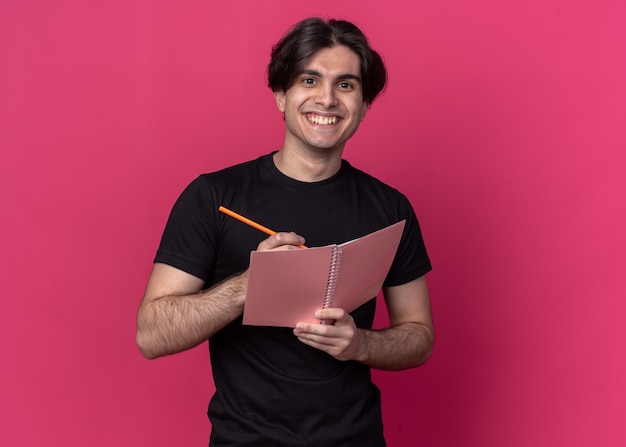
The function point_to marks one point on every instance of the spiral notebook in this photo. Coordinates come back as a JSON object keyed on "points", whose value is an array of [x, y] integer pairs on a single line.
{"points": [[287, 286]]}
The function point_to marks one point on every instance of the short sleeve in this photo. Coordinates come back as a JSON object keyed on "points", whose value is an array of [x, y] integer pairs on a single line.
{"points": [[412, 259], [188, 242]]}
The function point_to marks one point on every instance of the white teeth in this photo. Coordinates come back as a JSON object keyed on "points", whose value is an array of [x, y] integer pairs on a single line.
{"points": [[322, 120]]}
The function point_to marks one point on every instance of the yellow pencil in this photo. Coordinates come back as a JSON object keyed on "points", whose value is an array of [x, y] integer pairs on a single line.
{"points": [[252, 223]]}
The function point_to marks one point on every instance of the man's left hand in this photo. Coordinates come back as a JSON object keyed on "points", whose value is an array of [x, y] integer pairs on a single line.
{"points": [[342, 340]]}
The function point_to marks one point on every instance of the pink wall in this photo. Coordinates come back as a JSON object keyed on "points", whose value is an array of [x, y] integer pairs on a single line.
{"points": [[504, 123]]}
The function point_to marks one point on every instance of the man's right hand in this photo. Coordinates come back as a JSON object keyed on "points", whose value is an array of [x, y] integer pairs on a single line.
{"points": [[282, 241]]}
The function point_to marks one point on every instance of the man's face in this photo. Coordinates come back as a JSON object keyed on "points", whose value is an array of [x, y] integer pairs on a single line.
{"points": [[325, 105]]}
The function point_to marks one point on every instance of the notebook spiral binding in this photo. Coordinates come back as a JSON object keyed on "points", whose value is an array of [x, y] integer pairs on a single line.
{"points": [[333, 275]]}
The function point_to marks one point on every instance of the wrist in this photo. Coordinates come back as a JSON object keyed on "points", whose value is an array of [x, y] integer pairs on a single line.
{"points": [[363, 343]]}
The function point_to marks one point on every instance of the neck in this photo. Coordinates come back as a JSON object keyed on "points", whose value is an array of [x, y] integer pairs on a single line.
{"points": [[308, 167]]}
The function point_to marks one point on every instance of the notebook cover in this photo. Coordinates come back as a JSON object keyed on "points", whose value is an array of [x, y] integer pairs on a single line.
{"points": [[287, 286]]}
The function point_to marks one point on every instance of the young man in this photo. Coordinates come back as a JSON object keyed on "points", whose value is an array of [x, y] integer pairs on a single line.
{"points": [[310, 385]]}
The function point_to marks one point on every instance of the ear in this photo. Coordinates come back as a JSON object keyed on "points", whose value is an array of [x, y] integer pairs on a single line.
{"points": [[279, 97], [365, 108]]}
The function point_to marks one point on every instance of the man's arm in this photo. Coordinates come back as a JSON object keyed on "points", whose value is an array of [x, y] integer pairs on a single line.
{"points": [[406, 343], [176, 315]]}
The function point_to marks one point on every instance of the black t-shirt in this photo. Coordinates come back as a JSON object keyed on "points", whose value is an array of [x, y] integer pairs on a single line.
{"points": [[270, 388]]}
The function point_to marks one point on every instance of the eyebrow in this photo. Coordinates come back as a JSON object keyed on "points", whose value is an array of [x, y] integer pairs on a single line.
{"points": [[343, 77]]}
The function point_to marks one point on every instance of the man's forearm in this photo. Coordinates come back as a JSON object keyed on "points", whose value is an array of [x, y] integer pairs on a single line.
{"points": [[171, 324], [399, 347]]}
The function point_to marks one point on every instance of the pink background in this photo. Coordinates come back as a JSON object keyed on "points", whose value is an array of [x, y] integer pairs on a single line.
{"points": [[504, 123]]}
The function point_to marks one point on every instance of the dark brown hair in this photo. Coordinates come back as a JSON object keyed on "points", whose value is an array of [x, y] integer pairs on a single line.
{"points": [[290, 54]]}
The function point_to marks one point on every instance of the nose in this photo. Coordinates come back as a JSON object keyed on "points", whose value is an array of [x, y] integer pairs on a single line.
{"points": [[327, 96]]}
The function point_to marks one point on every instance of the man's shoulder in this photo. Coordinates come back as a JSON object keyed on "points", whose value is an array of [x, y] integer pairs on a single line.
{"points": [[242, 168], [369, 180], [230, 178]]}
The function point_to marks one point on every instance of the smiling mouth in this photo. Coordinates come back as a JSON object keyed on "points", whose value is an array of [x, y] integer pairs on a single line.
{"points": [[322, 120]]}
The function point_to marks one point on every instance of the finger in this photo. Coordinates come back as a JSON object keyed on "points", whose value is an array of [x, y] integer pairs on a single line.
{"points": [[322, 333], [331, 314], [281, 240], [317, 341], [313, 329]]}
